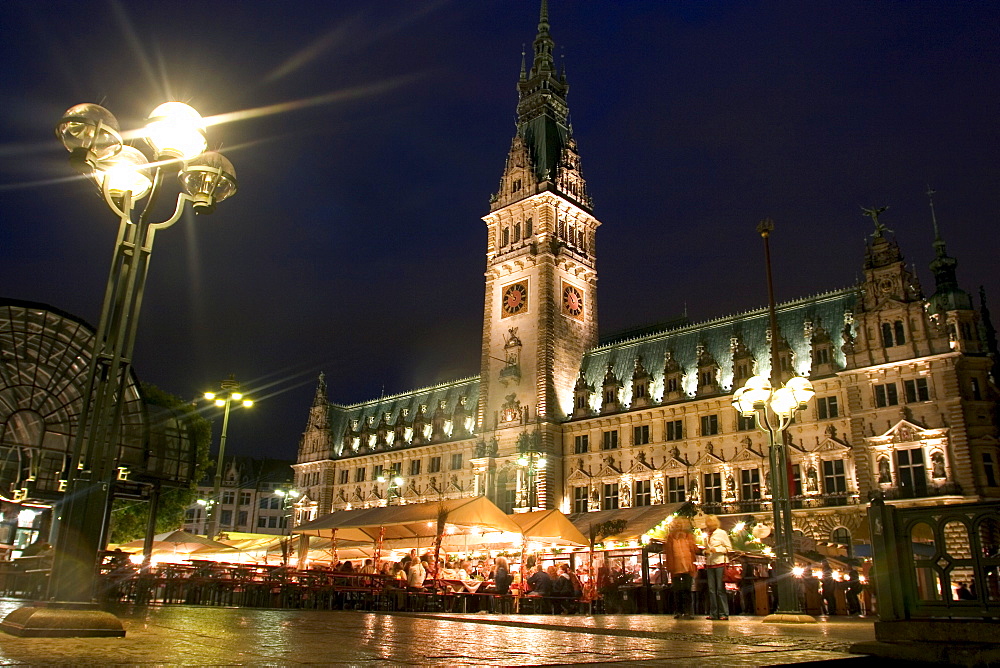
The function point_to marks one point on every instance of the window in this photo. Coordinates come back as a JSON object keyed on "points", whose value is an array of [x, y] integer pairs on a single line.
{"points": [[610, 396], [640, 390], [456, 461], [527, 227], [228, 498], [989, 470], [675, 489], [395, 469], [517, 232], [414, 467], [707, 377], [749, 484], [610, 496], [226, 518], [609, 440], [886, 395], [977, 393], [581, 444], [581, 401], [640, 435], [262, 522], [796, 489], [515, 185], [272, 522], [886, 335], [893, 334], [264, 502], [910, 472], [359, 473], [822, 355], [435, 465], [745, 423], [581, 499], [826, 407], [190, 514], [643, 497], [505, 236], [675, 430], [900, 335], [834, 480], [241, 518], [345, 476], [713, 488], [673, 384], [916, 390], [244, 498], [275, 503], [709, 425]]}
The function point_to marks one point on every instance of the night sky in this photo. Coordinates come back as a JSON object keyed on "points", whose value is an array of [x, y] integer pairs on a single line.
{"points": [[355, 244]]}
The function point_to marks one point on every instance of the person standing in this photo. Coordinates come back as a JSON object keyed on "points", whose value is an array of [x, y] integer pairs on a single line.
{"points": [[680, 552], [829, 588], [853, 589], [717, 549]]}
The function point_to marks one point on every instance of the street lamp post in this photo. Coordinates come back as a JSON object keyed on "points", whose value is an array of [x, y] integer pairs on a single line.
{"points": [[531, 462], [773, 407], [288, 497], [395, 488], [175, 134], [229, 391]]}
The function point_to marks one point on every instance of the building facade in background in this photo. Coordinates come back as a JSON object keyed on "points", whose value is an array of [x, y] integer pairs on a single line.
{"points": [[905, 401], [254, 498]]}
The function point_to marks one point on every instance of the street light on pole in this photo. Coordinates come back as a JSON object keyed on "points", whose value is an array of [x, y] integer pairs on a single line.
{"points": [[773, 407], [228, 393], [531, 460], [175, 135], [395, 488]]}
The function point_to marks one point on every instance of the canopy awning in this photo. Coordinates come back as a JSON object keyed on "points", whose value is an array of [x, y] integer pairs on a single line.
{"points": [[638, 521], [549, 526], [417, 520]]}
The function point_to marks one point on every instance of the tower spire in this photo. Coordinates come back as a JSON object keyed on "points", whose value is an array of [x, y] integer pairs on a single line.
{"points": [[543, 43], [948, 296]]}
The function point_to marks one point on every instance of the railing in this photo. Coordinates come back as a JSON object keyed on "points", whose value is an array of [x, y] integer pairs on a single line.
{"points": [[922, 491], [939, 561]]}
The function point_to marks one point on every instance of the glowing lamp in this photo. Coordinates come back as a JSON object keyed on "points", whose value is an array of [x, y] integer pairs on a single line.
{"points": [[209, 178], [542, 462], [522, 461], [124, 172], [176, 130], [802, 389], [210, 396], [398, 480], [90, 133], [237, 396], [783, 402], [220, 402], [381, 478], [247, 403], [798, 571]]}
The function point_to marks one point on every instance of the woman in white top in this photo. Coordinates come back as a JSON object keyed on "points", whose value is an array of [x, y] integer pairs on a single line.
{"points": [[416, 575], [717, 548]]}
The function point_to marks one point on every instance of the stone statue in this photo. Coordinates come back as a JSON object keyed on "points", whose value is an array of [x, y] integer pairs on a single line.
{"points": [[884, 474]]}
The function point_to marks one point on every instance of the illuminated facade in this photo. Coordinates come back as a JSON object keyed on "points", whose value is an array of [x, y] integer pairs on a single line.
{"points": [[905, 403]]}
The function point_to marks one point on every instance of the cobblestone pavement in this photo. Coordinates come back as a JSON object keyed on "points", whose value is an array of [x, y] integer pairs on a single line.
{"points": [[201, 636]]}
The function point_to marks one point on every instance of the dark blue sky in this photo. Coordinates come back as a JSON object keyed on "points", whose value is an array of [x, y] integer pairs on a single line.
{"points": [[355, 246]]}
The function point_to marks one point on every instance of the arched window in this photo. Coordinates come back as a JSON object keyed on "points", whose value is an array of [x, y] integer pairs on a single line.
{"points": [[517, 232], [527, 228], [841, 536], [887, 335], [505, 236], [900, 335]]}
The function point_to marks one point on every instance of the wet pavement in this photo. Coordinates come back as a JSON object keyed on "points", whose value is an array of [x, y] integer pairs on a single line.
{"points": [[203, 636]]}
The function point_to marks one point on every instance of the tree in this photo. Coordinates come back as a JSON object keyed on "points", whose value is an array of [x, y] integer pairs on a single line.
{"points": [[129, 517]]}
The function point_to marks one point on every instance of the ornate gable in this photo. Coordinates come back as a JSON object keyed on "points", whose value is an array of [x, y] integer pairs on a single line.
{"points": [[747, 454], [578, 476], [831, 444], [905, 431]]}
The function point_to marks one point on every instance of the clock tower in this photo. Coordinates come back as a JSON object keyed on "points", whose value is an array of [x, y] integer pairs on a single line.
{"points": [[541, 284]]}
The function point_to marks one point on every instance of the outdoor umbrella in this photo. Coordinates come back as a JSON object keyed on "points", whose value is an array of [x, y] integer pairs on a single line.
{"points": [[181, 542]]}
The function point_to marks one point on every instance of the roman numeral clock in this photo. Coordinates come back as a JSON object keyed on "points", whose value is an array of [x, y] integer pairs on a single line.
{"points": [[514, 299], [572, 301]]}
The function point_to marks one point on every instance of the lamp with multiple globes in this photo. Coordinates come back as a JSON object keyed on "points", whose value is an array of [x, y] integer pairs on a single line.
{"points": [[395, 488], [124, 175], [228, 394], [532, 462]]}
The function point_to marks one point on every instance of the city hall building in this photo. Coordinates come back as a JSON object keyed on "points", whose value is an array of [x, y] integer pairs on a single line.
{"points": [[905, 404]]}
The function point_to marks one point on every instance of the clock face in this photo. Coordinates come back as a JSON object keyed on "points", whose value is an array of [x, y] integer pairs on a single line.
{"points": [[514, 299], [572, 301]]}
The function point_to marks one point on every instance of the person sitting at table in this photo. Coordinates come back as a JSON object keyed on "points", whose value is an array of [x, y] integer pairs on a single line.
{"points": [[347, 567], [539, 583], [416, 576], [368, 568], [563, 591]]}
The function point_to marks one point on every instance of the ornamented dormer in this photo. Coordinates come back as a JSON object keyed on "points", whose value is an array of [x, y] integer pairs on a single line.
{"points": [[821, 348], [641, 385], [673, 378], [743, 362], [581, 396], [402, 430], [785, 354], [891, 323], [460, 419], [708, 372], [610, 392], [421, 427], [438, 422], [950, 307], [316, 442]]}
